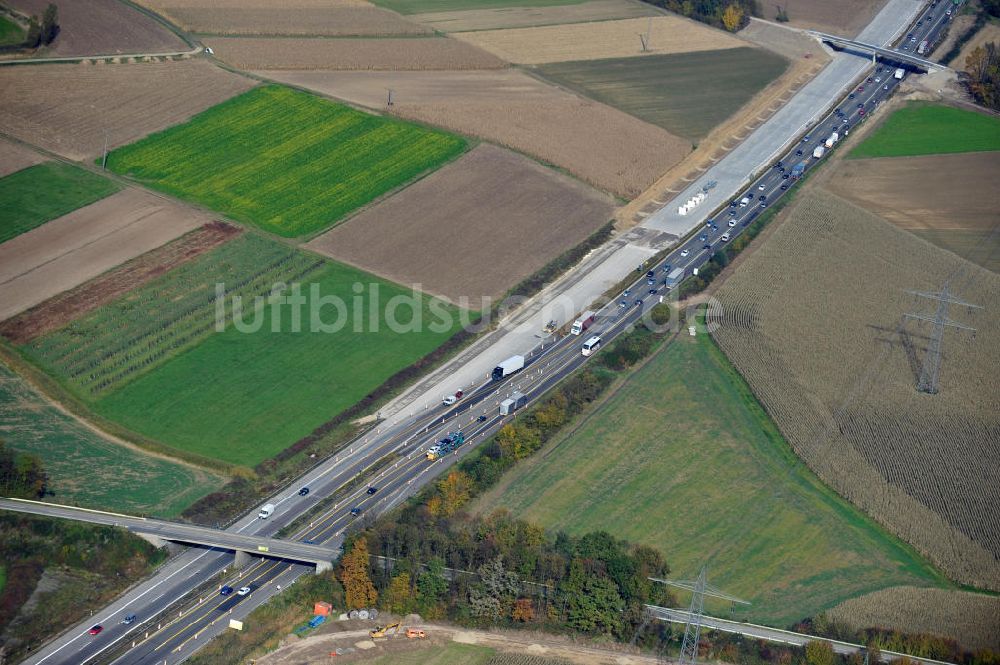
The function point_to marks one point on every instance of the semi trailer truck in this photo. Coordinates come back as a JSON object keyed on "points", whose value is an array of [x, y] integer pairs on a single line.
{"points": [[508, 367]]}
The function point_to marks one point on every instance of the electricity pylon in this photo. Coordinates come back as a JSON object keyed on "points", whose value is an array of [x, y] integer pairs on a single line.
{"points": [[932, 362], [699, 588]]}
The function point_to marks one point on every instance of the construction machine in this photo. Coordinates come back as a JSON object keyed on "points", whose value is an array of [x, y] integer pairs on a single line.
{"points": [[384, 631], [415, 632]]}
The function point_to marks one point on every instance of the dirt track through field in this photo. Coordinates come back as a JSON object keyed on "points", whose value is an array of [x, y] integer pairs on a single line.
{"points": [[126, 101], [14, 157], [76, 247], [526, 17], [489, 220], [402, 54], [598, 40], [601, 145]]}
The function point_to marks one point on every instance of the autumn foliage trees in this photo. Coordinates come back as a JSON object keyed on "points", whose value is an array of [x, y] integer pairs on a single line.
{"points": [[983, 69], [731, 15]]}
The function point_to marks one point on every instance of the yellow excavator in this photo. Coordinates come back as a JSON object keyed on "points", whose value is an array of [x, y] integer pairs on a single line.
{"points": [[384, 631]]}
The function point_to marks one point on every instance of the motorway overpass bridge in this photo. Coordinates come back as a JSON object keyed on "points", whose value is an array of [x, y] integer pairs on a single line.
{"points": [[776, 634], [886, 53], [160, 531]]}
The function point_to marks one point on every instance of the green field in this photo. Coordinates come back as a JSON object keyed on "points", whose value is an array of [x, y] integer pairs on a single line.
{"points": [[688, 94], [922, 128], [88, 470], [421, 6], [10, 32], [154, 361], [32, 196], [289, 162], [683, 458]]}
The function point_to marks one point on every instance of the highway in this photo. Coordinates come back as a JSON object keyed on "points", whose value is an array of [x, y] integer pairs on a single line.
{"points": [[179, 608]]}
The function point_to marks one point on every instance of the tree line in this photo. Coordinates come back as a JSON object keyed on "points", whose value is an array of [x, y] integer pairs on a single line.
{"points": [[40, 32], [731, 15], [22, 476]]}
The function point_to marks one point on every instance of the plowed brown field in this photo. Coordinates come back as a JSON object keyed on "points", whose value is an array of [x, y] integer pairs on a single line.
{"points": [[492, 218], [814, 320], [61, 309], [277, 20], [599, 40], [14, 157], [601, 145], [950, 200], [126, 101], [526, 17], [103, 27], [838, 17], [351, 54], [76, 247]]}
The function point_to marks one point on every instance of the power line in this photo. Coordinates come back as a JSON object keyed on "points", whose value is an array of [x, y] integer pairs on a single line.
{"points": [[931, 367]]}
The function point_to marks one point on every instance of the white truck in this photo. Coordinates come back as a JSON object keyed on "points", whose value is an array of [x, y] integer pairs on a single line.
{"points": [[508, 367], [900, 73], [266, 511], [745, 201], [675, 277], [513, 403], [584, 322], [819, 151], [832, 140]]}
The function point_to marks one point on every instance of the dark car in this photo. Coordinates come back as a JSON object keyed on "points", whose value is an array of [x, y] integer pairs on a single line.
{"points": [[481, 419], [356, 510], [225, 591], [763, 204], [651, 281], [94, 630], [666, 267], [303, 491], [638, 301], [652, 292], [732, 213], [784, 177], [805, 138], [371, 490], [706, 246], [851, 96], [733, 204], [703, 237], [861, 111], [784, 186], [128, 620], [798, 152], [861, 106], [623, 304], [763, 197]]}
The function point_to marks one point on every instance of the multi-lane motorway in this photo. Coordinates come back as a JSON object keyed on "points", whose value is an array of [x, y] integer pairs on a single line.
{"points": [[180, 608]]}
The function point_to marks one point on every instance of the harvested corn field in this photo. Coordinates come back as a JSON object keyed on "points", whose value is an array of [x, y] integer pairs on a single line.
{"points": [[598, 40], [64, 308], [813, 320], [284, 20], [352, 54], [496, 18], [971, 618], [127, 101], [605, 147], [477, 212]]}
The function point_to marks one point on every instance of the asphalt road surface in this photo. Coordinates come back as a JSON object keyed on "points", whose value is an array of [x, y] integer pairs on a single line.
{"points": [[179, 608]]}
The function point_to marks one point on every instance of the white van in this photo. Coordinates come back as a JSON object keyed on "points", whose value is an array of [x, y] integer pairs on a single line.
{"points": [[725, 237], [266, 511], [591, 345]]}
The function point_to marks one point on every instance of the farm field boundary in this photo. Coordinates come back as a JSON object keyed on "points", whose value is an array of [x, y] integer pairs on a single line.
{"points": [[359, 19], [845, 401], [78, 246], [526, 17], [292, 163], [14, 157]]}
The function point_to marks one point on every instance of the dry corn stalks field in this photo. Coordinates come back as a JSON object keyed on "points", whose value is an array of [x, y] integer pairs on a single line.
{"points": [[813, 321]]}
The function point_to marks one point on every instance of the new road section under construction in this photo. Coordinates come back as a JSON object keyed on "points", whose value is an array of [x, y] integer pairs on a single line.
{"points": [[180, 608]]}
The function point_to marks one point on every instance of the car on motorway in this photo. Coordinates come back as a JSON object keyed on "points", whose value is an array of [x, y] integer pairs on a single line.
{"points": [[652, 292], [650, 281], [732, 213], [371, 490], [798, 153], [623, 304], [626, 292], [303, 491], [784, 177], [307, 541], [763, 204], [483, 419], [861, 88], [638, 301], [356, 510], [685, 252], [707, 246], [861, 111], [703, 238], [784, 186], [94, 630], [732, 222], [851, 96], [725, 237], [651, 274], [128, 620], [226, 590], [762, 197], [244, 590]]}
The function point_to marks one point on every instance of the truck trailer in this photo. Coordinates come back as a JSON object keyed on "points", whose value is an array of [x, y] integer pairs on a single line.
{"points": [[513, 403], [585, 321], [832, 140], [508, 367], [675, 277], [900, 73], [819, 151], [798, 170]]}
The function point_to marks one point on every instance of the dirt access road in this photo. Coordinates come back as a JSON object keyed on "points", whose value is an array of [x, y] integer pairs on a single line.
{"points": [[317, 649]]}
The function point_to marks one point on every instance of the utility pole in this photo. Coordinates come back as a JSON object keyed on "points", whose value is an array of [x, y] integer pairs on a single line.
{"points": [[104, 159], [388, 100], [692, 631], [928, 382]]}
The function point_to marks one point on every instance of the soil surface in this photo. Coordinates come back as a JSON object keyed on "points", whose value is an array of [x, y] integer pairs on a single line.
{"points": [[836, 17], [333, 21], [402, 54], [103, 27], [601, 145], [70, 304], [474, 229], [525, 17], [14, 157], [117, 103]]}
